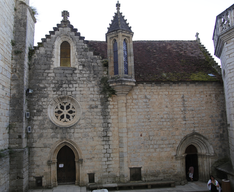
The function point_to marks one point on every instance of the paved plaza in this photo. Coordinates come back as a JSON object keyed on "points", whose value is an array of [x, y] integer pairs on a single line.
{"points": [[190, 187]]}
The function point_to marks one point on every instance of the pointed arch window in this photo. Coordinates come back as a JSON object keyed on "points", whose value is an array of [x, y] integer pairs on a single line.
{"points": [[115, 48], [125, 55], [65, 54]]}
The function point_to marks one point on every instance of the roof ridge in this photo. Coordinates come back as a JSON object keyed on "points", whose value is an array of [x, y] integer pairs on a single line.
{"points": [[164, 40], [209, 58]]}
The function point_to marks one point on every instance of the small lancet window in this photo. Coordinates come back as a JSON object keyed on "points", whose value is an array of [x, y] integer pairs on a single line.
{"points": [[125, 54], [115, 48], [65, 50]]}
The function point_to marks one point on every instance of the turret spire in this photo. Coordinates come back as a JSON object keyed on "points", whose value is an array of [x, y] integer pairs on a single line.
{"points": [[118, 22], [118, 6]]}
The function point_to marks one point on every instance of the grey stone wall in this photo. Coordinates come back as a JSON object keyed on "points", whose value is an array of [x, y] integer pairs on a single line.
{"points": [[227, 60], [92, 133], [19, 170], [6, 36], [223, 38], [159, 116], [23, 39], [4, 171]]}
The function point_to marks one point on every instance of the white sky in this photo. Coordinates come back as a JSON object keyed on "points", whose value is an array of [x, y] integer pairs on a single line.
{"points": [[149, 19]]}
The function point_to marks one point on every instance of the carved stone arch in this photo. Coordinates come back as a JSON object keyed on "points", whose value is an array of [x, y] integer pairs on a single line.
{"points": [[59, 40], [53, 160], [72, 145], [199, 141], [205, 153], [127, 39], [114, 39]]}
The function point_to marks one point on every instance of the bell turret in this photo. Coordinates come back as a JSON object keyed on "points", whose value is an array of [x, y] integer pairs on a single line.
{"points": [[120, 54]]}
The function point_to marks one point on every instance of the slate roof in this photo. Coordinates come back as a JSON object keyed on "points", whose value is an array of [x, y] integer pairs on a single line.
{"points": [[118, 22], [157, 61]]}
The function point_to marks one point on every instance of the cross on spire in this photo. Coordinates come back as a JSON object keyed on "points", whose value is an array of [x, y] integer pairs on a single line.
{"points": [[118, 6], [65, 15], [197, 37]]}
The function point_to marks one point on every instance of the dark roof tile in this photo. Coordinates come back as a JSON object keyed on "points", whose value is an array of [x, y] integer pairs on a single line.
{"points": [[167, 61]]}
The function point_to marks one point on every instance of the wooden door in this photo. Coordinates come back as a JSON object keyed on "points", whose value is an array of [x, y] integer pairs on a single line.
{"points": [[66, 171]]}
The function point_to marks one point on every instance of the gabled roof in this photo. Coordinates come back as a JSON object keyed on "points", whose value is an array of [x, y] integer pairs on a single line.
{"points": [[157, 61], [64, 23], [118, 22]]}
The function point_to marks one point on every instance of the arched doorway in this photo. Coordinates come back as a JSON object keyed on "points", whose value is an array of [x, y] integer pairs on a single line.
{"points": [[54, 161], [66, 170], [191, 159], [204, 153]]}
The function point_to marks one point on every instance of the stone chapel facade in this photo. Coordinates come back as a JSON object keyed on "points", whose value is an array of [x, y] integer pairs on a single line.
{"points": [[84, 112]]}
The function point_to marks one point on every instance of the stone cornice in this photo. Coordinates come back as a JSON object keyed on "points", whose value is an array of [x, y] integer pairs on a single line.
{"points": [[223, 38], [223, 30]]}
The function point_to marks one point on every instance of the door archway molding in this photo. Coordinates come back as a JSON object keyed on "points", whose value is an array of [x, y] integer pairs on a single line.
{"points": [[199, 141], [52, 162], [205, 153]]}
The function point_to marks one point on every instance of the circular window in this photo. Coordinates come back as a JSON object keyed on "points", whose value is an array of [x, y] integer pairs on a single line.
{"points": [[64, 111]]}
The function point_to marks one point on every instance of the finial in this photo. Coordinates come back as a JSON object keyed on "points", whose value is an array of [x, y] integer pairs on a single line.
{"points": [[65, 15], [118, 6], [197, 37]]}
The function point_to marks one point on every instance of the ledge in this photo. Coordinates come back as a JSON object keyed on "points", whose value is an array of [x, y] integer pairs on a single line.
{"points": [[64, 69], [132, 185], [226, 168]]}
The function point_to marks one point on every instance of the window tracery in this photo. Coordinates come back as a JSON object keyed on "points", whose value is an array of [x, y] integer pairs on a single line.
{"points": [[64, 111]]}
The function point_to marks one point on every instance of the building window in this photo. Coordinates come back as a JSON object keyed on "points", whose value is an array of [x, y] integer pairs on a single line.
{"points": [[64, 111], [65, 60], [91, 178], [125, 54], [115, 48], [135, 174]]}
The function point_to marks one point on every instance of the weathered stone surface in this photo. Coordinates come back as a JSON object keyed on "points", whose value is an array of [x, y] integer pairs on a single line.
{"points": [[146, 127], [6, 37], [223, 38]]}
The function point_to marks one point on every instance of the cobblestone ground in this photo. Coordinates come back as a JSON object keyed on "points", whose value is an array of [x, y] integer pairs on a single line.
{"points": [[190, 187]]}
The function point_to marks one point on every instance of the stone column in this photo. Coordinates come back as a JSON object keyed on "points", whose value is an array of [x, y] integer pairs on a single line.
{"points": [[123, 139]]}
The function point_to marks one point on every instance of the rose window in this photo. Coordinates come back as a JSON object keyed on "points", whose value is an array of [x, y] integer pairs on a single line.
{"points": [[64, 111]]}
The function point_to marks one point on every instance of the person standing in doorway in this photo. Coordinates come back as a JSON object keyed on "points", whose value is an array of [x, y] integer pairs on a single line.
{"points": [[190, 172]]}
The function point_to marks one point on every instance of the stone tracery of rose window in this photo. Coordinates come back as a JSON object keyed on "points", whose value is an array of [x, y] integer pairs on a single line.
{"points": [[65, 112]]}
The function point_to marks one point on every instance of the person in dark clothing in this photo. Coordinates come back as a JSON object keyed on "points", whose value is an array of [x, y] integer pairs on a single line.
{"points": [[213, 185]]}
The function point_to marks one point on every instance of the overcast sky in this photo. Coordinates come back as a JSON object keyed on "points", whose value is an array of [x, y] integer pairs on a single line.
{"points": [[149, 19]]}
